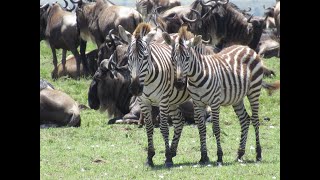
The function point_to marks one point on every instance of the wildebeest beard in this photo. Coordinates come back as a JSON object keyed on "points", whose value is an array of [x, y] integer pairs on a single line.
{"points": [[112, 91]]}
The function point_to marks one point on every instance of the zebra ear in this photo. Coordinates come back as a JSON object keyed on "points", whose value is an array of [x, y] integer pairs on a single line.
{"points": [[196, 40], [149, 36], [125, 35], [167, 38]]}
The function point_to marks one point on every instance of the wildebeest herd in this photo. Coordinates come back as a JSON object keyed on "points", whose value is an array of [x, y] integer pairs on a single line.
{"points": [[161, 64]]}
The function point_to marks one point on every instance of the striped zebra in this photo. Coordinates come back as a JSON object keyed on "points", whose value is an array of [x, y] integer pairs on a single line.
{"points": [[216, 80], [152, 77]]}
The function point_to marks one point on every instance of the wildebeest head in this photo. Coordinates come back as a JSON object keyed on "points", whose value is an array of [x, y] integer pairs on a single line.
{"points": [[180, 55], [109, 46], [109, 88], [225, 24], [43, 20], [139, 54], [83, 12]]}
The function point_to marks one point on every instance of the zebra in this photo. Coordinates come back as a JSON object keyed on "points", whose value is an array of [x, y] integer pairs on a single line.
{"points": [[152, 77], [216, 80]]}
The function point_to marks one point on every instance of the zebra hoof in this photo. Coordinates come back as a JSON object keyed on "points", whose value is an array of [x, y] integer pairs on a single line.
{"points": [[149, 163], [204, 161], [239, 160], [219, 164], [168, 164], [259, 159]]}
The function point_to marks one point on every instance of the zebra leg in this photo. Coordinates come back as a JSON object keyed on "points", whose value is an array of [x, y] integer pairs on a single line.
{"points": [[215, 109], [146, 111], [178, 122], [244, 119], [199, 117], [164, 128], [254, 103]]}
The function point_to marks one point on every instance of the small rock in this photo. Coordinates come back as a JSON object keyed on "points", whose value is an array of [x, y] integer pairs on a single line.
{"points": [[266, 119]]}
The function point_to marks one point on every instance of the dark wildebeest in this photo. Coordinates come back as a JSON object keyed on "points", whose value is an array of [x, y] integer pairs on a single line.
{"points": [[145, 7], [111, 44], [96, 19], [109, 90], [57, 108], [269, 45], [71, 67], [223, 21], [59, 28]]}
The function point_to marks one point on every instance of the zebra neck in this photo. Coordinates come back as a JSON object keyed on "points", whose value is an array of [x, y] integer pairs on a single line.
{"points": [[195, 66]]}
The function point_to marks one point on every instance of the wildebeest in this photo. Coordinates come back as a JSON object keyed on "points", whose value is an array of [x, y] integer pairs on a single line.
{"points": [[145, 7], [223, 21], [57, 108], [71, 68], [59, 28], [96, 19]]}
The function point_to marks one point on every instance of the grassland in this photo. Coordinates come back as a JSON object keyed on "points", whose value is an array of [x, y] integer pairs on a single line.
{"points": [[97, 150]]}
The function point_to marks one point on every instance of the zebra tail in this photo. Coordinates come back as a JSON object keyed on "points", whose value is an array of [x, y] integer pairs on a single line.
{"points": [[271, 87]]}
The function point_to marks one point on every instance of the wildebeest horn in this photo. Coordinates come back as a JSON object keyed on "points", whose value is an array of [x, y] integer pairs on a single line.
{"points": [[249, 9], [155, 10], [71, 9], [44, 6], [66, 2], [208, 41], [189, 20], [111, 38], [209, 3], [76, 1], [226, 2], [268, 8], [250, 18], [174, 17]]}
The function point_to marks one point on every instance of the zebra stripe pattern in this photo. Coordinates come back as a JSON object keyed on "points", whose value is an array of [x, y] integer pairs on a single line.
{"points": [[221, 79], [152, 78]]}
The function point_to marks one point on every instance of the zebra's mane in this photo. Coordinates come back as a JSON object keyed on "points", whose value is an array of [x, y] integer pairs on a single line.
{"points": [[184, 34], [141, 30]]}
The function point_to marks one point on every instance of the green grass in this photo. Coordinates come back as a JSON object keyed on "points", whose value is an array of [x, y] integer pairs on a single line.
{"points": [[100, 151]]}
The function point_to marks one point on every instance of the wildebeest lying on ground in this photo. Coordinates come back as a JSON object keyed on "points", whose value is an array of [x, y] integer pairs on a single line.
{"points": [[57, 109], [71, 66], [109, 90]]}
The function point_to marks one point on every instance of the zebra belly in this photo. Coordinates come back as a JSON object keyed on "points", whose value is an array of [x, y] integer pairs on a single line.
{"points": [[233, 95]]}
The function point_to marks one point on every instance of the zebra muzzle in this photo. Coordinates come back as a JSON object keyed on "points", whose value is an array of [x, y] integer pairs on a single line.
{"points": [[180, 83]]}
